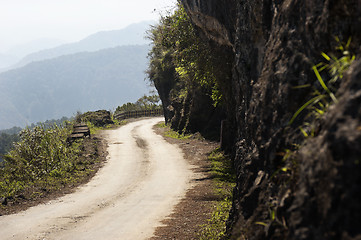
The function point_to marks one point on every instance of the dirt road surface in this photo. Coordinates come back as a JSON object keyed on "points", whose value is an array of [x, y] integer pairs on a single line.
{"points": [[143, 179]]}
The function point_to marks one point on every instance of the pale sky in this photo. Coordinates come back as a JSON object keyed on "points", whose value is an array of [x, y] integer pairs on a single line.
{"points": [[22, 21]]}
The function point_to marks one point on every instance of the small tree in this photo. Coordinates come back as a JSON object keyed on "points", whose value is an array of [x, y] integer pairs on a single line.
{"points": [[143, 103]]}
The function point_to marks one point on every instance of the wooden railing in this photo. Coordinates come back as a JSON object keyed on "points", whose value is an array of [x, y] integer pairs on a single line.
{"points": [[80, 130], [141, 113]]}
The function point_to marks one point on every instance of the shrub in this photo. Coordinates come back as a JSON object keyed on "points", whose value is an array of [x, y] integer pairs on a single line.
{"points": [[38, 159]]}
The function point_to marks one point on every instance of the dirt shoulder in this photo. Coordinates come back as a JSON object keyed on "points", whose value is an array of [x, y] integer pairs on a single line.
{"points": [[195, 209]]}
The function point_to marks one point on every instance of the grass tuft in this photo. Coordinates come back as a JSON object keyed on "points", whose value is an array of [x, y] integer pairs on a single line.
{"points": [[173, 134], [336, 67], [224, 177]]}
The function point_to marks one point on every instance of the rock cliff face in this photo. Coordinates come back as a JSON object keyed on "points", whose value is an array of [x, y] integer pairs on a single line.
{"points": [[273, 46]]}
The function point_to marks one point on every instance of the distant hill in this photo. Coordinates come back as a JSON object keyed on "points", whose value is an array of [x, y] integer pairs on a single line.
{"points": [[27, 48], [6, 60], [79, 82], [15, 54], [134, 34]]}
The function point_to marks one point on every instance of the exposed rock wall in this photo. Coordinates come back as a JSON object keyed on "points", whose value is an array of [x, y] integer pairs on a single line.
{"points": [[193, 112], [275, 44]]}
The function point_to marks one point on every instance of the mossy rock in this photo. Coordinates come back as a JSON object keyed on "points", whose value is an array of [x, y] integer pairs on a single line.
{"points": [[99, 118]]}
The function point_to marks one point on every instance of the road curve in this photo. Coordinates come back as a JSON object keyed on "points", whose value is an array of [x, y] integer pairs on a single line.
{"points": [[143, 179]]}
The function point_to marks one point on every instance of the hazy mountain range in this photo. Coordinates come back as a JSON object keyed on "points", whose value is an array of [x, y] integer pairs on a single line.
{"points": [[134, 34], [76, 77], [14, 55]]}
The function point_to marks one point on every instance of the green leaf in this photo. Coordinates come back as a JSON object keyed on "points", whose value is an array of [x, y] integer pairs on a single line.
{"points": [[319, 78], [348, 42], [261, 223], [308, 103], [303, 132], [319, 111], [325, 56], [302, 86], [323, 68], [333, 97], [273, 215]]}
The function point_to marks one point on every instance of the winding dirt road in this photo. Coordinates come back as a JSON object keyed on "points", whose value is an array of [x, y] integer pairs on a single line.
{"points": [[141, 182]]}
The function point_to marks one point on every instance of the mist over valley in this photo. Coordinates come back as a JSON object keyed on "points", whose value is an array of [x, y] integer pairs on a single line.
{"points": [[101, 71]]}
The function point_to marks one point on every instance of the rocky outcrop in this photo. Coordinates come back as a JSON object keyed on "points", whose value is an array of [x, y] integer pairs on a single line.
{"points": [[326, 200], [193, 112], [189, 112], [99, 118], [274, 44]]}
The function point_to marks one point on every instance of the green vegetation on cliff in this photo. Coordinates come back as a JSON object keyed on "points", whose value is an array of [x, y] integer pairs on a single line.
{"points": [[183, 68], [177, 46], [291, 184]]}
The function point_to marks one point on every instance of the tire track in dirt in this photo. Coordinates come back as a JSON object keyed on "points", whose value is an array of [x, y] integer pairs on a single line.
{"points": [[142, 181]]}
